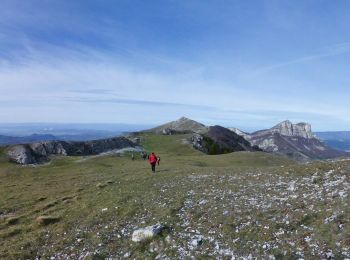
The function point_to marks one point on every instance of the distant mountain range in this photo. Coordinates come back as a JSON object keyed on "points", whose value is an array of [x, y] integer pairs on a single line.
{"points": [[295, 141], [11, 140], [58, 129], [11, 134], [338, 140]]}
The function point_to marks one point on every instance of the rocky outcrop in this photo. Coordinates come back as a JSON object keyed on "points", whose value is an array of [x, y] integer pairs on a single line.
{"points": [[21, 154], [295, 141], [240, 132], [180, 126], [220, 140], [286, 128], [41, 151]]}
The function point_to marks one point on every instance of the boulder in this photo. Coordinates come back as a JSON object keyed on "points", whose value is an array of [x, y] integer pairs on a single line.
{"points": [[149, 232]]}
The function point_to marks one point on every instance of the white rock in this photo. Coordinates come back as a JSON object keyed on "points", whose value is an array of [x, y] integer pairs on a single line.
{"points": [[146, 233], [307, 239], [198, 240], [330, 254], [202, 202]]}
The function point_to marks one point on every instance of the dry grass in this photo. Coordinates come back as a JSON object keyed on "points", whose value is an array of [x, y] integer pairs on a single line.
{"points": [[225, 202], [46, 220]]}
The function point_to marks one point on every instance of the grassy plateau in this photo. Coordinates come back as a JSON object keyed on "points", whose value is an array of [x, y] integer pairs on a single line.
{"points": [[243, 205]]}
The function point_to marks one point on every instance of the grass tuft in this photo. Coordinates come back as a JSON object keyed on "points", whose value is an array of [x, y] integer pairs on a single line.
{"points": [[12, 220], [46, 220]]}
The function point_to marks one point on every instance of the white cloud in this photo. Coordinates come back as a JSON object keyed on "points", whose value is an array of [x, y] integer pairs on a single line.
{"points": [[72, 88]]}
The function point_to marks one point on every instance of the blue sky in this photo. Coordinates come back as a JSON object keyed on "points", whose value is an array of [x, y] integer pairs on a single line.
{"points": [[248, 64]]}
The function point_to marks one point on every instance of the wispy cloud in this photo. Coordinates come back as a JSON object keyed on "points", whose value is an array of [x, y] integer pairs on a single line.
{"points": [[145, 103], [329, 51], [75, 89], [81, 61]]}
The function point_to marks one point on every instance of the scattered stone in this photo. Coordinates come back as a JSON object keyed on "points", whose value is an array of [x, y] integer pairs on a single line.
{"points": [[149, 232], [202, 202], [196, 241], [100, 185]]}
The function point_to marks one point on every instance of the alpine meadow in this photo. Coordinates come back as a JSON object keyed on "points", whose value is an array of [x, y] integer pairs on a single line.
{"points": [[174, 129]]}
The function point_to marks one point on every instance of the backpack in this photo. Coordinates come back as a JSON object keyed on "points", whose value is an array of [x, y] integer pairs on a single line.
{"points": [[152, 158]]}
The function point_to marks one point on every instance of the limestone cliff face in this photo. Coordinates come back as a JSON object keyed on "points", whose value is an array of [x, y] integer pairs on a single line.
{"points": [[296, 141], [40, 152], [287, 128]]}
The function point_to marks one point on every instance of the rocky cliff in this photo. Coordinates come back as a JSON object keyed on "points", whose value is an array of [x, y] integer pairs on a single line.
{"points": [[40, 152], [287, 128], [296, 141]]}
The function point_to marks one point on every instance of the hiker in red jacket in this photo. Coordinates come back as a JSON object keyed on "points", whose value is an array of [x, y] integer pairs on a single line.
{"points": [[153, 161]]}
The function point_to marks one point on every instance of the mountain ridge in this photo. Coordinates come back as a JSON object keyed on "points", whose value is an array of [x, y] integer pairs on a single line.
{"points": [[181, 125], [39, 152], [296, 141]]}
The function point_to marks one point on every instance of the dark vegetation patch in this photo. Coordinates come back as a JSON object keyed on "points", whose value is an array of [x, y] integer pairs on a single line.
{"points": [[46, 220]]}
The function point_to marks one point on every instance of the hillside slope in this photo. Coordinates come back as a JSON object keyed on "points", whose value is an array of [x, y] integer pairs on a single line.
{"points": [[237, 205], [220, 140]]}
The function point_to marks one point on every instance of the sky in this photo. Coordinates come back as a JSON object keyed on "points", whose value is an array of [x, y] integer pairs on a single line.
{"points": [[245, 64]]}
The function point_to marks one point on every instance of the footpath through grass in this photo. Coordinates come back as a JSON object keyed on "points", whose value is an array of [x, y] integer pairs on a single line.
{"points": [[75, 207]]}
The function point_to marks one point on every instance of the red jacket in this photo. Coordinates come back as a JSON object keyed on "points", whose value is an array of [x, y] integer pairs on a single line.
{"points": [[153, 159]]}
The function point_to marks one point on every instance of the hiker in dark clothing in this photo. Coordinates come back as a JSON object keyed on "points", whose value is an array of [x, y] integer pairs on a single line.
{"points": [[153, 161]]}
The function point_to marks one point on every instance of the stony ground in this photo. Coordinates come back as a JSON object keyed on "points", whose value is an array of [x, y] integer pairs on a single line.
{"points": [[241, 205], [270, 214]]}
